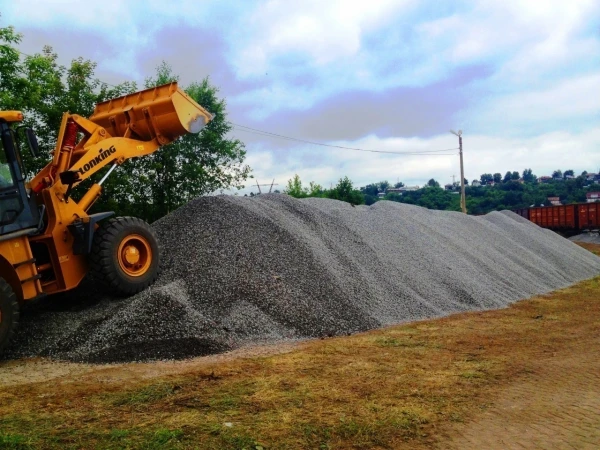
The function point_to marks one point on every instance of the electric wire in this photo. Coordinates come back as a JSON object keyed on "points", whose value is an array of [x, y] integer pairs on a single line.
{"points": [[280, 136], [256, 131]]}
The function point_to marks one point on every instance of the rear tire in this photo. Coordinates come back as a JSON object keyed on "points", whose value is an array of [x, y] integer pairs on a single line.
{"points": [[125, 255], [9, 313]]}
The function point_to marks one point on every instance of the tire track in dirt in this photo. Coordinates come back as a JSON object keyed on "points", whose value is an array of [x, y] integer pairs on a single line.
{"points": [[554, 405]]}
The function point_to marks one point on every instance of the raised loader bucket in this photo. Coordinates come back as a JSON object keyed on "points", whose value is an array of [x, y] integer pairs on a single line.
{"points": [[164, 112]]}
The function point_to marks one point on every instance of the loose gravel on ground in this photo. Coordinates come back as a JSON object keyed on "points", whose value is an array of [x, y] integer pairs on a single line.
{"points": [[239, 271], [589, 238]]}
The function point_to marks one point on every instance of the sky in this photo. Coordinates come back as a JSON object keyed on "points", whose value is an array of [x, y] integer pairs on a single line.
{"points": [[521, 79]]}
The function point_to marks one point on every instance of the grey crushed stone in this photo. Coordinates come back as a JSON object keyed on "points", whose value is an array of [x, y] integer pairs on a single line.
{"points": [[590, 238], [240, 270]]}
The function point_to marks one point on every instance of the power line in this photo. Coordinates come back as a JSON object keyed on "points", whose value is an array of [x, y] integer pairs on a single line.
{"points": [[289, 138], [280, 136]]}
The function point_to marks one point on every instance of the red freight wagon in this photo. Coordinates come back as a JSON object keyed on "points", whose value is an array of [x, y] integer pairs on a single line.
{"points": [[589, 216], [523, 212], [555, 217]]}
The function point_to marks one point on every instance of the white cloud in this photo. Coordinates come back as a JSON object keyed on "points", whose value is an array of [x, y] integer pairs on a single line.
{"points": [[482, 154], [536, 67], [324, 32]]}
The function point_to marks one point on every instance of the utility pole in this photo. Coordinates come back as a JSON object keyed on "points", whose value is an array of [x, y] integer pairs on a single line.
{"points": [[463, 202]]}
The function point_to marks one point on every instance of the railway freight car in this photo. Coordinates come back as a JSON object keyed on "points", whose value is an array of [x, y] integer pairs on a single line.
{"points": [[564, 218], [588, 216], [561, 217]]}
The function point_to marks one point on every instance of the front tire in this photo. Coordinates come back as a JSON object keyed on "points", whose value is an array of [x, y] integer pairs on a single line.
{"points": [[9, 313], [125, 255]]}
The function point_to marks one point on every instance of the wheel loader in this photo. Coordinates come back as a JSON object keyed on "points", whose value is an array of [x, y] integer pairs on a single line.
{"points": [[48, 240]]}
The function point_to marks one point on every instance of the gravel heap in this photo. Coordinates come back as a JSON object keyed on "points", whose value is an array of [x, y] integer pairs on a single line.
{"points": [[590, 238], [239, 271]]}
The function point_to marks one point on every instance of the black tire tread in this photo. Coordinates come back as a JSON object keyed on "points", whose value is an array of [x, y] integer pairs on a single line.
{"points": [[101, 259]]}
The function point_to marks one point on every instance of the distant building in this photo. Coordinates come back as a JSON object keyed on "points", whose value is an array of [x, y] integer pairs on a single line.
{"points": [[554, 201], [475, 183], [381, 194], [448, 187], [569, 177], [402, 189], [545, 179], [592, 197]]}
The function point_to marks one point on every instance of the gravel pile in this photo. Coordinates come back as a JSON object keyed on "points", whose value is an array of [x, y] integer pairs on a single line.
{"points": [[238, 271], [590, 238]]}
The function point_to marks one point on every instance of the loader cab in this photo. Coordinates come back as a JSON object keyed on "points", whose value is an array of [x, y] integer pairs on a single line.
{"points": [[17, 210]]}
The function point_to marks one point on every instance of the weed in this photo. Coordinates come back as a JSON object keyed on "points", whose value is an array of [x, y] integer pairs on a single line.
{"points": [[164, 436], [147, 394], [15, 441]]}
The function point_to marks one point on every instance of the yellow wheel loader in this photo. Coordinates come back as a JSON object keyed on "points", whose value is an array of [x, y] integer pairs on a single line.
{"points": [[48, 241]]}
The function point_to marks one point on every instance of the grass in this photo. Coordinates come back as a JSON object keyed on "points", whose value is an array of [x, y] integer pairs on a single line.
{"points": [[398, 387]]}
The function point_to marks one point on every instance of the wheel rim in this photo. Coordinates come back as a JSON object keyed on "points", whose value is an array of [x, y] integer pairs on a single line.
{"points": [[135, 255]]}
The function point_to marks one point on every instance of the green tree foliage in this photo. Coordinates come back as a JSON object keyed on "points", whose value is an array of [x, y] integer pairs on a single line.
{"points": [[346, 192], [497, 178], [193, 165], [528, 176], [295, 189], [486, 178], [148, 187], [433, 183]]}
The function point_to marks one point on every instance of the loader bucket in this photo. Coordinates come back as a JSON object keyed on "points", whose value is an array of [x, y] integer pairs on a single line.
{"points": [[164, 112]]}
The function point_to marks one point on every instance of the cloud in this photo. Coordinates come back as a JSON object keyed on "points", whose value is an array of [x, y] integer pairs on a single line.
{"points": [[482, 154], [520, 78], [568, 104]]}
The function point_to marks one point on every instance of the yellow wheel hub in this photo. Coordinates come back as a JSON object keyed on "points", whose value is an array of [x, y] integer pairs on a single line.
{"points": [[135, 255]]}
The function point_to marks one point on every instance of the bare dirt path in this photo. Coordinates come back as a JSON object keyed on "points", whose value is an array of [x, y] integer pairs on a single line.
{"points": [[554, 406]]}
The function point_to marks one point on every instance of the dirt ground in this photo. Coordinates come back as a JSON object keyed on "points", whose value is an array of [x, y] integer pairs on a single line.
{"points": [[525, 377], [555, 405]]}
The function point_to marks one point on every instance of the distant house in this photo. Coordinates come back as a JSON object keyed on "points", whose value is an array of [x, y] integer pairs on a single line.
{"points": [[554, 201], [448, 187], [475, 183], [381, 194], [569, 177], [402, 189], [545, 179], [592, 176], [592, 197]]}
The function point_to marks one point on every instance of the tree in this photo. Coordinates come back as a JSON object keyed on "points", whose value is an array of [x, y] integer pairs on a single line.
{"points": [[193, 165], [148, 187], [433, 183], [557, 174], [44, 90], [486, 178], [294, 187], [398, 185], [568, 173], [497, 178], [528, 176], [507, 176], [515, 176], [345, 191]]}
